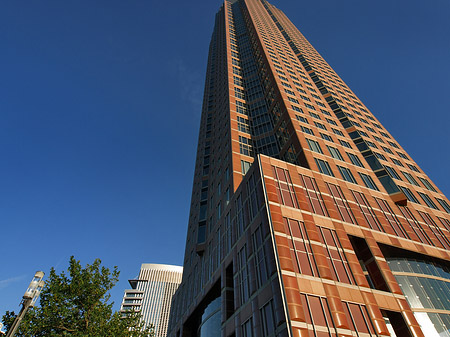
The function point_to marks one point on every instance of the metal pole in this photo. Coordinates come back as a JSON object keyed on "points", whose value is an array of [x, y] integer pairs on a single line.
{"points": [[25, 305]]}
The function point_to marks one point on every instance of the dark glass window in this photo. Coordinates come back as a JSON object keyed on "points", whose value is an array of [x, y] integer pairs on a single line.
{"points": [[324, 167], [346, 174], [368, 181]]}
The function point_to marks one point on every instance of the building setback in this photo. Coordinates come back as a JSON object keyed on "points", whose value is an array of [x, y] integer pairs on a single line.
{"points": [[152, 293], [307, 217]]}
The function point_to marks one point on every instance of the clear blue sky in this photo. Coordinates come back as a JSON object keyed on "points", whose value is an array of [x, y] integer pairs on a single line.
{"points": [[99, 113]]}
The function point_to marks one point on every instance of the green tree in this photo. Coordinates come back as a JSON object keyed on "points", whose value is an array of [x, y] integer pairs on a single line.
{"points": [[76, 304]]}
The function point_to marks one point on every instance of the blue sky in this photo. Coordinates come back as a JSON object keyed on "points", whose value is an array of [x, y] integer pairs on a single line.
{"points": [[99, 112]]}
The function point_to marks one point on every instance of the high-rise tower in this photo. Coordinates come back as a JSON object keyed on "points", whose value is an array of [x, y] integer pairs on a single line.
{"points": [[152, 293], [307, 217]]}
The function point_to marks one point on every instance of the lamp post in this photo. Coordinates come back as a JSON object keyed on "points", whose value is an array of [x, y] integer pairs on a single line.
{"points": [[29, 299]]}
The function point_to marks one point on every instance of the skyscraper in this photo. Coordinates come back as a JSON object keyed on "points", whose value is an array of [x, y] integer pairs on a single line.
{"points": [[307, 217], [152, 293]]}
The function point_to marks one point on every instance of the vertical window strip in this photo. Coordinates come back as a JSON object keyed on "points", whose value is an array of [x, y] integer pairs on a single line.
{"points": [[445, 223], [242, 275], [445, 206], [367, 211], [336, 256], [300, 247], [341, 203], [314, 197], [317, 314], [415, 225], [440, 236], [391, 218], [359, 318], [285, 188], [260, 256]]}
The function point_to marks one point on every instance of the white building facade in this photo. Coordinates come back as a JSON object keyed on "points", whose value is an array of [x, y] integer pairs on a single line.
{"points": [[151, 294]]}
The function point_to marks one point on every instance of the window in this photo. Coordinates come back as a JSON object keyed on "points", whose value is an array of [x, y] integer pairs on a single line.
{"points": [[335, 255], [410, 178], [324, 167], [341, 203], [313, 194], [393, 144], [320, 125], [402, 155], [320, 104], [285, 189], [388, 150], [379, 156], [300, 248], [301, 119], [305, 98], [396, 162], [313, 114], [409, 195], [330, 121], [326, 137], [444, 205], [295, 108], [354, 159], [290, 92], [364, 133], [412, 167], [245, 146], [307, 130], [346, 174], [427, 200], [239, 93], [337, 132], [268, 320], [391, 218], [415, 225], [359, 319], [242, 275], [367, 211], [437, 231], [247, 328], [344, 143], [392, 172], [335, 153], [245, 166], [368, 181], [317, 314], [427, 184], [260, 256], [243, 125], [314, 146]]}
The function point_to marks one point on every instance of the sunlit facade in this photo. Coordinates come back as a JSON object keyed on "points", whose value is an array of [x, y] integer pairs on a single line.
{"points": [[152, 293], [307, 217]]}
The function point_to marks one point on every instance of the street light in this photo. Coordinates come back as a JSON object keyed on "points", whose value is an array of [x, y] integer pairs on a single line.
{"points": [[29, 299]]}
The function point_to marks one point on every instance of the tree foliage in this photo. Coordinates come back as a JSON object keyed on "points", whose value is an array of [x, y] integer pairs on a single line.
{"points": [[76, 304]]}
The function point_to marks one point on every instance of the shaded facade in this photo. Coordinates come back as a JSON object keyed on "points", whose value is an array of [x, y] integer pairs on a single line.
{"points": [[152, 293], [307, 217]]}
